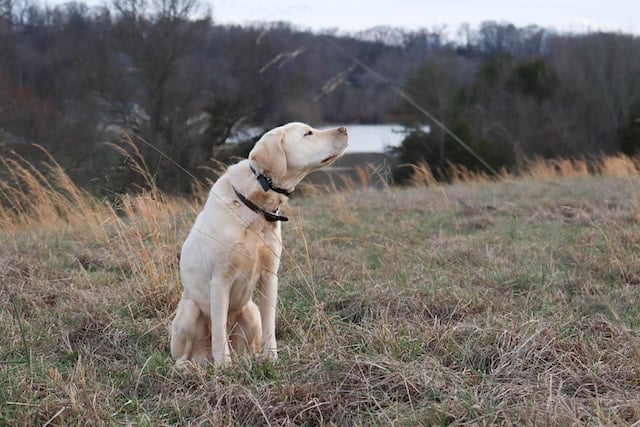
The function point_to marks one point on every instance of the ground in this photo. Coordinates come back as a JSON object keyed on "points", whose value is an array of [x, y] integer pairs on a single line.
{"points": [[509, 302]]}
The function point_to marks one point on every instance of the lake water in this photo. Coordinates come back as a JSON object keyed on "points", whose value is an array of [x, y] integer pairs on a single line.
{"points": [[362, 138], [373, 138]]}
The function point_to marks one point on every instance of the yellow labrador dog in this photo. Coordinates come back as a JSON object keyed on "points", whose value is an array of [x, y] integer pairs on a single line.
{"points": [[235, 245]]}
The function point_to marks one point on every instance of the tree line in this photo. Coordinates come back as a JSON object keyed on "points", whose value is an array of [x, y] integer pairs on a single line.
{"points": [[177, 85], [578, 96]]}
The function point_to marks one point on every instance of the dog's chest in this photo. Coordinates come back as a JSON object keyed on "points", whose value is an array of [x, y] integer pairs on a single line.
{"points": [[252, 258]]}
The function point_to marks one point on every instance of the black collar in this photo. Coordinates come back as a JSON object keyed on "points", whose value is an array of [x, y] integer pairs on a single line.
{"points": [[271, 217], [267, 184]]}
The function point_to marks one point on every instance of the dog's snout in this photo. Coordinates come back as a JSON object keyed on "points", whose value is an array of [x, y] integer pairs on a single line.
{"points": [[342, 129]]}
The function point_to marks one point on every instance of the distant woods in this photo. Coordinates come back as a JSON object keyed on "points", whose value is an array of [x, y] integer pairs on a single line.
{"points": [[512, 95], [178, 86]]}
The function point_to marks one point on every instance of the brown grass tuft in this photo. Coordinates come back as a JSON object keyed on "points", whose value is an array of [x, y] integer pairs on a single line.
{"points": [[538, 169], [421, 175], [618, 166]]}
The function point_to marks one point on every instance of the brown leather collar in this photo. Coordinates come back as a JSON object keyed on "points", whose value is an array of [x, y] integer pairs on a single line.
{"points": [[269, 216]]}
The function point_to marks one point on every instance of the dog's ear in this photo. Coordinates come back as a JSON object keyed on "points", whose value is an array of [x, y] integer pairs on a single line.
{"points": [[268, 155]]}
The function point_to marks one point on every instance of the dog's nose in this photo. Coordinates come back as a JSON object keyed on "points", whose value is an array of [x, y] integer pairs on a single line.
{"points": [[342, 129]]}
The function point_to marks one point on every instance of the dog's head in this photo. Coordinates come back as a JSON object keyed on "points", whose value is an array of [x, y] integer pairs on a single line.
{"points": [[288, 153]]}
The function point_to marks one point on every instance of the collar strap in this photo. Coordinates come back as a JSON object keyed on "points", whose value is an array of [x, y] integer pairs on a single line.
{"points": [[267, 184], [271, 217]]}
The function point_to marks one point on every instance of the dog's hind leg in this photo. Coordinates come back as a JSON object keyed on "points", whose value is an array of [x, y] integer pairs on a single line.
{"points": [[245, 329], [190, 339]]}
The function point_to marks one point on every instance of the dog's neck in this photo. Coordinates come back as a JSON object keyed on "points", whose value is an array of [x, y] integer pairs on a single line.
{"points": [[263, 197], [269, 216], [267, 184]]}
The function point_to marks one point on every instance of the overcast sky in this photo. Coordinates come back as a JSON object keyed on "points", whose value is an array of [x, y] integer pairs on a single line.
{"points": [[563, 15]]}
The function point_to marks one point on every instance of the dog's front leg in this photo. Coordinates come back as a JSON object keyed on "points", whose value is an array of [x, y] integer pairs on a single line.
{"points": [[268, 298], [219, 312]]}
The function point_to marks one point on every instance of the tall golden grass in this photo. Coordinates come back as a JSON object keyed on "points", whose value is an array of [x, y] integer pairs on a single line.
{"points": [[140, 230], [30, 197], [538, 169]]}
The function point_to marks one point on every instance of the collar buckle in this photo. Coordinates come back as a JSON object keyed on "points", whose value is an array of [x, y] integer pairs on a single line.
{"points": [[267, 184]]}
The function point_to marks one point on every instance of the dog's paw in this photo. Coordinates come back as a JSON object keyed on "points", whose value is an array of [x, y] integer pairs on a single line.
{"points": [[184, 363], [222, 360], [270, 354]]}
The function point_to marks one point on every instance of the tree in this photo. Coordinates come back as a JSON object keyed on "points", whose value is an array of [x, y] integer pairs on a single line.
{"points": [[158, 41], [599, 85], [629, 134], [437, 87], [442, 87]]}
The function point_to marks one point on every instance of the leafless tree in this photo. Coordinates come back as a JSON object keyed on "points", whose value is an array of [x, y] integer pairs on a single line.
{"points": [[600, 75]]}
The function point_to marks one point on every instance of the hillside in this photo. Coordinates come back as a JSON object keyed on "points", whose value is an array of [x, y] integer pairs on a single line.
{"points": [[509, 302]]}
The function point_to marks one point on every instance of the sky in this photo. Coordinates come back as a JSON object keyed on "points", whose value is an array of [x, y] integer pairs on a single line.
{"points": [[575, 16]]}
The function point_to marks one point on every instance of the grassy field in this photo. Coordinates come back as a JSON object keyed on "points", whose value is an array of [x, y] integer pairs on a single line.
{"points": [[511, 302]]}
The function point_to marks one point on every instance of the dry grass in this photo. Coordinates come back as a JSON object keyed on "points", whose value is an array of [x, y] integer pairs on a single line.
{"points": [[512, 302], [538, 169]]}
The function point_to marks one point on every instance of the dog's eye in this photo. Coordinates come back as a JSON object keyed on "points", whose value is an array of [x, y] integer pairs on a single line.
{"points": [[308, 133]]}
